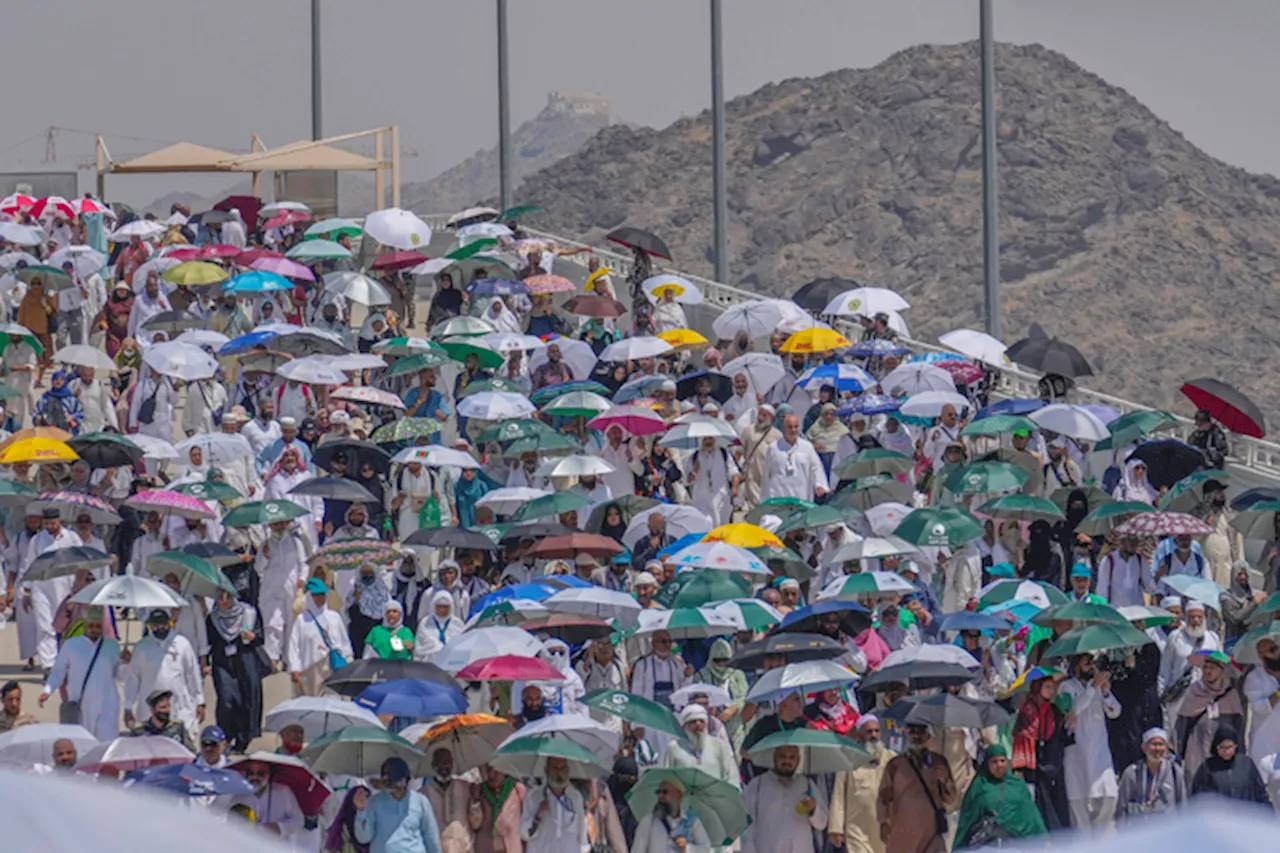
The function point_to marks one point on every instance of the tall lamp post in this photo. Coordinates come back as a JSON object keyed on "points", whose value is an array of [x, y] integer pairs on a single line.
{"points": [[717, 147], [315, 70], [990, 231], [504, 112]]}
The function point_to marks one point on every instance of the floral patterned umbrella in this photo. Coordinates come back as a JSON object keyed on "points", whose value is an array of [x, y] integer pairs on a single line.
{"points": [[72, 505], [354, 553], [549, 284], [963, 372], [1160, 524], [168, 502], [365, 394]]}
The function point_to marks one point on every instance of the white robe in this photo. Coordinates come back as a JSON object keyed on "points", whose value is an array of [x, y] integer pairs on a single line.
{"points": [[739, 409], [100, 699], [417, 489], [161, 425], [653, 837], [776, 825], [204, 397], [279, 487], [307, 647], [792, 471], [277, 805], [620, 481], [563, 830], [144, 308], [1087, 764], [668, 316], [48, 594], [143, 548], [15, 557], [258, 435], [432, 634], [280, 570], [99, 409], [936, 441], [1259, 686], [709, 490], [19, 355], [168, 665]]}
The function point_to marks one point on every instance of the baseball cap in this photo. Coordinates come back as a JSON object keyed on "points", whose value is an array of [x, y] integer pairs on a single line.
{"points": [[212, 734]]}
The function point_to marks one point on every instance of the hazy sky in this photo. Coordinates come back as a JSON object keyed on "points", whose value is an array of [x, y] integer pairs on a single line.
{"points": [[213, 73]]}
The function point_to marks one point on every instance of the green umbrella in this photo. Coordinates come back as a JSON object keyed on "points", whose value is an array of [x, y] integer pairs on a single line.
{"points": [[870, 491], [819, 516], [459, 349], [635, 710], [755, 614], [473, 248], [1007, 590], [404, 429], [1188, 493], [518, 212], [946, 527], [1132, 426], [28, 338], [781, 507], [462, 325], [52, 277], [263, 512], [13, 493], [490, 385], [333, 228], [196, 575], [629, 506], [526, 757], [418, 361], [984, 477], [1107, 517], [1246, 648], [512, 430], [1081, 613], [358, 751], [701, 586], [551, 442], [494, 531], [550, 505], [820, 751], [207, 490], [312, 250], [1000, 425], [1019, 507], [1093, 496], [718, 804], [585, 404], [551, 392], [784, 561], [873, 460], [1258, 521], [401, 347], [1091, 639]]}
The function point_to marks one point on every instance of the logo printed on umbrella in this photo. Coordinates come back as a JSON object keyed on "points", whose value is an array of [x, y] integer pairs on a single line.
{"points": [[854, 304], [414, 238], [975, 479], [619, 699], [272, 509], [938, 534]]}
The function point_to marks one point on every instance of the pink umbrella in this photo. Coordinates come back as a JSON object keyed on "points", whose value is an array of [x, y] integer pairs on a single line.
{"points": [[1160, 524], [166, 502], [186, 253], [633, 419], [133, 753], [284, 267], [549, 284], [365, 394], [288, 217], [247, 257], [509, 668], [89, 205], [963, 372], [217, 251]]}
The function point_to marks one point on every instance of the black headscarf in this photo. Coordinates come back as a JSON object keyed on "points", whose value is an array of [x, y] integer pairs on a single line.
{"points": [[448, 299], [1041, 562], [1237, 779], [625, 773]]}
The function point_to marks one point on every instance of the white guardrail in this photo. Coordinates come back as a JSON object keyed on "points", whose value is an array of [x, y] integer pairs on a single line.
{"points": [[1256, 454]]}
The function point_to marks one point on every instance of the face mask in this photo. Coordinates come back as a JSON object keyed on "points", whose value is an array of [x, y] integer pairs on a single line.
{"points": [[160, 633], [291, 748], [367, 580], [161, 718]]}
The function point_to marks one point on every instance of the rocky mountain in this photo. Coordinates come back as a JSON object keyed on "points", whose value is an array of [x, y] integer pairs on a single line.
{"points": [[563, 126], [1158, 261]]}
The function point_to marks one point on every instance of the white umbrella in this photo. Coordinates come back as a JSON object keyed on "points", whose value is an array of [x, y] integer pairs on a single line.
{"points": [[312, 372], [129, 590], [154, 448], [203, 338], [762, 369], [717, 697], [586, 732], [319, 715], [484, 231], [596, 601], [176, 218], [219, 447], [865, 301], [10, 260], [577, 354], [812, 676], [687, 292], [143, 228], [131, 753], [27, 746], [688, 434], [865, 585], [85, 260], [158, 265], [630, 349], [931, 653], [398, 228], [720, 556], [509, 342], [486, 643], [873, 548], [356, 287], [495, 406], [884, 518], [756, 317], [437, 456], [279, 206], [916, 377], [83, 355], [432, 267], [181, 361], [713, 623], [1072, 421], [976, 345], [928, 404], [21, 235], [682, 520], [575, 466], [479, 212], [509, 499], [576, 400]]}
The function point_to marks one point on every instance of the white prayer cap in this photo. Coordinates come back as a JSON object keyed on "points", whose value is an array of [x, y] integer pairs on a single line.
{"points": [[767, 407], [1058, 442], [230, 418], [692, 711], [1194, 607], [667, 385], [1171, 601], [789, 583], [340, 417], [645, 578], [287, 421], [1154, 732], [710, 406], [687, 406], [867, 719], [653, 564]]}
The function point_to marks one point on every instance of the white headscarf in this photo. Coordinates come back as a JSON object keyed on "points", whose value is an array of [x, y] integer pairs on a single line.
{"points": [[1133, 487]]}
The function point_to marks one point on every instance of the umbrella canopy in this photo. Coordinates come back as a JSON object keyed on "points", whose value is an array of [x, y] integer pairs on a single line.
{"points": [[718, 804], [412, 698], [13, 493], [873, 461], [333, 489], [1036, 592], [1091, 639], [696, 588], [37, 450], [358, 751], [70, 505], [355, 677], [27, 746], [486, 643], [1021, 507], [815, 340], [1168, 460], [319, 716], [1049, 355], [999, 425], [181, 361], [598, 602], [526, 757], [919, 675], [636, 710], [191, 780], [1132, 426], [756, 614], [820, 751], [196, 575], [263, 512], [808, 677], [470, 738], [969, 620], [1080, 613], [1258, 521], [1161, 524], [551, 505], [1072, 421], [64, 562], [794, 647], [862, 585], [1227, 405], [510, 667], [1245, 650], [638, 238], [854, 618], [929, 404], [742, 535], [976, 345], [1103, 519], [720, 556], [947, 711], [1197, 588], [946, 527], [356, 287], [872, 548], [986, 477], [686, 623], [359, 453], [867, 492], [1188, 494], [124, 754], [128, 590]]}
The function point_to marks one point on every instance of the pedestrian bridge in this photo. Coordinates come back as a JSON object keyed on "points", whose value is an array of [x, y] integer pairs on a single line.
{"points": [[1252, 462]]}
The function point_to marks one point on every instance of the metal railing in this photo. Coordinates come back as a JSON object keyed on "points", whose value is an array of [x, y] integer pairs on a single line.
{"points": [[1252, 453]]}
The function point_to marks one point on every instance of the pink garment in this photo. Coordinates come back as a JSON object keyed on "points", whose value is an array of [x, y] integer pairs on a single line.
{"points": [[873, 647]]}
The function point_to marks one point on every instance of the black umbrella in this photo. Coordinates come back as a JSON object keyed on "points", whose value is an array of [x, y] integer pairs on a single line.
{"points": [[638, 238], [174, 321], [1227, 406], [537, 530], [452, 537], [353, 678], [1049, 355], [220, 555], [262, 362], [919, 675], [817, 294], [210, 217], [357, 453], [721, 385], [334, 489], [796, 647], [66, 561], [573, 629], [107, 450], [1245, 500], [947, 711], [1168, 460], [629, 506], [302, 345]]}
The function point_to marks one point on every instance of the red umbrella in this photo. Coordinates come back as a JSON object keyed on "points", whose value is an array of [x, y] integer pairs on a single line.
{"points": [[247, 257], [16, 202], [287, 217], [573, 544], [57, 202], [399, 260], [247, 205], [1227, 406], [962, 372], [294, 774], [509, 668], [186, 253], [218, 251], [1160, 524]]}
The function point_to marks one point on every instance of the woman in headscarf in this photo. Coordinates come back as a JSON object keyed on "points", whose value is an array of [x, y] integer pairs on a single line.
{"points": [[831, 712], [1228, 774], [502, 317], [470, 487], [368, 476], [59, 406], [391, 639], [341, 837], [34, 312], [446, 303], [1076, 509], [625, 774], [1238, 603], [366, 606], [826, 394], [113, 319], [1134, 486], [558, 697], [893, 435], [373, 330], [1209, 703], [612, 524], [1039, 746], [437, 627], [998, 805], [1043, 560], [238, 667], [718, 673], [825, 433], [658, 474]]}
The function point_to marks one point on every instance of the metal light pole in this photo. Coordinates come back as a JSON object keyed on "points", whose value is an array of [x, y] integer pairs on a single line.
{"points": [[990, 232], [315, 70], [717, 148], [504, 112]]}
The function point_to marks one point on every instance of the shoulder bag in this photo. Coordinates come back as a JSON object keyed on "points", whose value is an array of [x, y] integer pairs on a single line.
{"points": [[939, 816], [69, 713], [336, 660]]}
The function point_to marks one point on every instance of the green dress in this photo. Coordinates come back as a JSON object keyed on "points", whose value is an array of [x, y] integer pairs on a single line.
{"points": [[384, 642], [1008, 801]]}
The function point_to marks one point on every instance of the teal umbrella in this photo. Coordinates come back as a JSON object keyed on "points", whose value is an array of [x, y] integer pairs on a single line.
{"points": [[263, 512], [552, 504], [526, 757], [418, 362], [871, 491], [820, 751], [196, 575], [1107, 517], [701, 586], [1092, 639], [986, 477], [1019, 507], [717, 804], [780, 507], [512, 430], [873, 460], [1188, 493], [636, 710], [1132, 426], [518, 212], [945, 527], [316, 250], [1258, 521], [999, 425], [819, 516]]}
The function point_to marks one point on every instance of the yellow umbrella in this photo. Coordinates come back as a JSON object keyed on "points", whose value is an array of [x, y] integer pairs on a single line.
{"points": [[743, 535], [38, 450], [815, 340], [195, 273], [594, 277], [684, 339]]}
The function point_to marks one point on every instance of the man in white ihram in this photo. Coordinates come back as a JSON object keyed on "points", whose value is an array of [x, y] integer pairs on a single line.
{"points": [[713, 480], [784, 806], [1087, 766], [46, 595], [711, 755], [164, 660], [792, 467], [553, 819], [89, 667]]}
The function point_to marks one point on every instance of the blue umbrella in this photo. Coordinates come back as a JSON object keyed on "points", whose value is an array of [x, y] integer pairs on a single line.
{"points": [[870, 404], [190, 780], [681, 543], [878, 347], [257, 281], [1011, 406], [854, 618], [968, 620], [935, 356], [637, 388], [558, 582], [246, 342], [846, 377], [497, 287], [412, 697], [1022, 610], [527, 591]]}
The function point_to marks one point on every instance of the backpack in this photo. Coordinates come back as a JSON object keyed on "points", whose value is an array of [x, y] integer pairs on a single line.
{"points": [[55, 414], [147, 411]]}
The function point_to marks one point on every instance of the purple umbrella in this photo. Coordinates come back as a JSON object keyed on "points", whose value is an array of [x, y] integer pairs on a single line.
{"points": [[284, 267]]}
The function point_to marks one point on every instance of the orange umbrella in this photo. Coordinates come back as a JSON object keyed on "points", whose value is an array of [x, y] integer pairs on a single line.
{"points": [[36, 432], [471, 738]]}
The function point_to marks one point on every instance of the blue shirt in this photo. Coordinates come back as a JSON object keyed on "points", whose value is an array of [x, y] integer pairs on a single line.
{"points": [[275, 449], [1166, 547], [389, 825], [427, 408]]}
